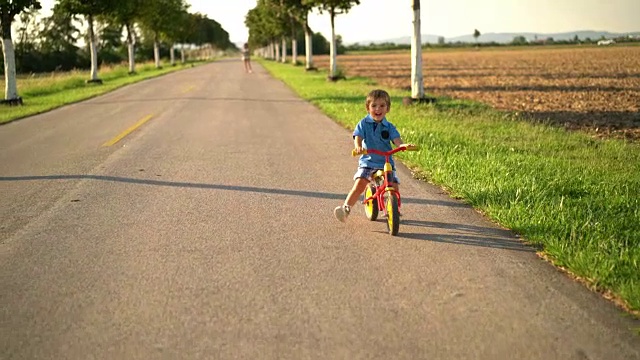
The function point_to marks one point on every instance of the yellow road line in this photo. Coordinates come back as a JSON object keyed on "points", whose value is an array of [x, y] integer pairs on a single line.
{"points": [[128, 131], [188, 89]]}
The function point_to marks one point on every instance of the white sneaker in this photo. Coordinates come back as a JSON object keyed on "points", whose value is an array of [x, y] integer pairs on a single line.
{"points": [[341, 212]]}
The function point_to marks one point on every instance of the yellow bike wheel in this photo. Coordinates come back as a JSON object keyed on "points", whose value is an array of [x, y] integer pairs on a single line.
{"points": [[371, 206], [393, 215]]}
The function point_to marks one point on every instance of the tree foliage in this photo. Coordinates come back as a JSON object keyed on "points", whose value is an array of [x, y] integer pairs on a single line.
{"points": [[203, 30], [52, 42], [266, 22], [9, 9], [159, 16], [332, 6], [59, 32], [86, 7]]}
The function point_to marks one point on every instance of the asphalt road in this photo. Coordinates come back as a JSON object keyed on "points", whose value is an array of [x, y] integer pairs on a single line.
{"points": [[207, 233]]}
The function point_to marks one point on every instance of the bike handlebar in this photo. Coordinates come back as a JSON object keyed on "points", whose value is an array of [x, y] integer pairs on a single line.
{"points": [[386, 153]]}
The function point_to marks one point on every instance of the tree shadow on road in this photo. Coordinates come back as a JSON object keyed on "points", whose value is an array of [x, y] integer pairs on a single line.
{"points": [[255, 189], [465, 234], [183, 98]]}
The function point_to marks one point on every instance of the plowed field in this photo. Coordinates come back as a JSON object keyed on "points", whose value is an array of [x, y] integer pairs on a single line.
{"points": [[596, 89]]}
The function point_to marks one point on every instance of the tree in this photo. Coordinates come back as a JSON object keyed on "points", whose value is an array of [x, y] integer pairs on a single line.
{"points": [[59, 33], [279, 26], [202, 30], [257, 35], [175, 31], [58, 39], [320, 45], [126, 14], [109, 41], [90, 9], [27, 32], [519, 40], [299, 11], [265, 27], [334, 8], [187, 31], [476, 35], [417, 84], [9, 9], [158, 17]]}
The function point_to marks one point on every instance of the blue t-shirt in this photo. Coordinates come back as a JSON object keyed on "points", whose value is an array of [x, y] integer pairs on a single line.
{"points": [[376, 136]]}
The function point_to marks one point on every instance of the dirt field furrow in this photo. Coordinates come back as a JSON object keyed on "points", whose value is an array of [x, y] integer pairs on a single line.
{"points": [[596, 89]]}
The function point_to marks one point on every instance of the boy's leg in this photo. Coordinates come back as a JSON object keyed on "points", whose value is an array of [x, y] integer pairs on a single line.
{"points": [[341, 212], [358, 188]]}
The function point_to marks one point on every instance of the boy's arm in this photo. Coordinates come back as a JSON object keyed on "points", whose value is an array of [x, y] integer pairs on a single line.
{"points": [[398, 142], [357, 143]]}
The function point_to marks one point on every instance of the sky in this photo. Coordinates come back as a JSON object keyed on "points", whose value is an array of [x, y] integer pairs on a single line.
{"points": [[389, 19]]}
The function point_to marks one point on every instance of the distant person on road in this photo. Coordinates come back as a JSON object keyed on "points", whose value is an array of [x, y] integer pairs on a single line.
{"points": [[246, 58], [372, 132]]}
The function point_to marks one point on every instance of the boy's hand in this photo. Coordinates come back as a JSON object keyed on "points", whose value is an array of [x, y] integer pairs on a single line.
{"points": [[409, 146], [358, 149]]}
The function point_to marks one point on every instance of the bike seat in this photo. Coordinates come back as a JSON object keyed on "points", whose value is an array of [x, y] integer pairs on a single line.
{"points": [[378, 173]]}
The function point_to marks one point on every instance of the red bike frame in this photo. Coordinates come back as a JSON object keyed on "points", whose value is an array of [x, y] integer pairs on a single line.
{"points": [[388, 175]]}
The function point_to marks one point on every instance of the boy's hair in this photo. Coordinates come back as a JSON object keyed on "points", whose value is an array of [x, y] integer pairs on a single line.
{"points": [[378, 94]]}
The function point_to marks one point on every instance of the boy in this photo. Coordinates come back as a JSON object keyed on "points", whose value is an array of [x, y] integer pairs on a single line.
{"points": [[372, 132]]}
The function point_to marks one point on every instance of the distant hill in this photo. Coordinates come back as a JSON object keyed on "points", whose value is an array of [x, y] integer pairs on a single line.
{"points": [[507, 37]]}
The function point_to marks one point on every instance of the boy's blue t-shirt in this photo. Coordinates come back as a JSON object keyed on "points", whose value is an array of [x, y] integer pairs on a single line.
{"points": [[376, 136]]}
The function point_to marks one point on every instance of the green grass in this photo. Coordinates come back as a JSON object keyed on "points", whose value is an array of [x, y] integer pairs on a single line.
{"points": [[574, 196], [45, 92]]}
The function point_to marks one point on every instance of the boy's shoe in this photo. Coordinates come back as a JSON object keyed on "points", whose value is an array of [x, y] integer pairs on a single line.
{"points": [[341, 212]]}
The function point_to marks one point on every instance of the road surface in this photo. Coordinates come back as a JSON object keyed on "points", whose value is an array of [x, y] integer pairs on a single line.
{"points": [[190, 217]]}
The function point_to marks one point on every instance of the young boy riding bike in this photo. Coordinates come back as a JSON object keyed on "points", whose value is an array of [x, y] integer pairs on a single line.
{"points": [[372, 132]]}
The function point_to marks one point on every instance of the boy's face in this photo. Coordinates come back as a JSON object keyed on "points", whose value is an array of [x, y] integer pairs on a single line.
{"points": [[378, 109]]}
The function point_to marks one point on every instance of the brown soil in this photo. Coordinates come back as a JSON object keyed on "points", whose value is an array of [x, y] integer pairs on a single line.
{"points": [[595, 89]]}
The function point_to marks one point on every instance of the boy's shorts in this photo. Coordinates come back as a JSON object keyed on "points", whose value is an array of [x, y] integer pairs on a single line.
{"points": [[365, 172]]}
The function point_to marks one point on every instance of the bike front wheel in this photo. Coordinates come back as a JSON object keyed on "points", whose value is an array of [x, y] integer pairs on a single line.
{"points": [[393, 214]]}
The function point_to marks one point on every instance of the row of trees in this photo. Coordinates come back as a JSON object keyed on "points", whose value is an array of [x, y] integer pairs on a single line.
{"points": [[517, 41], [272, 23], [107, 23]]}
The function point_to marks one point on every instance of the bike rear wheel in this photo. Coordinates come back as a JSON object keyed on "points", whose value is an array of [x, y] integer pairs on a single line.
{"points": [[371, 206], [393, 214]]}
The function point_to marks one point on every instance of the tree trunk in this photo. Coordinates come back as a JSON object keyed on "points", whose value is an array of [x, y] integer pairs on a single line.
{"points": [[172, 53], [308, 46], [417, 85], [294, 51], [94, 51], [156, 51], [294, 42], [131, 43], [182, 54], [284, 50], [332, 47], [277, 46], [9, 56], [11, 84]]}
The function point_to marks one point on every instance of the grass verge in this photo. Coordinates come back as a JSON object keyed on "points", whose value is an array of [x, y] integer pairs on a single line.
{"points": [[574, 196], [44, 93]]}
